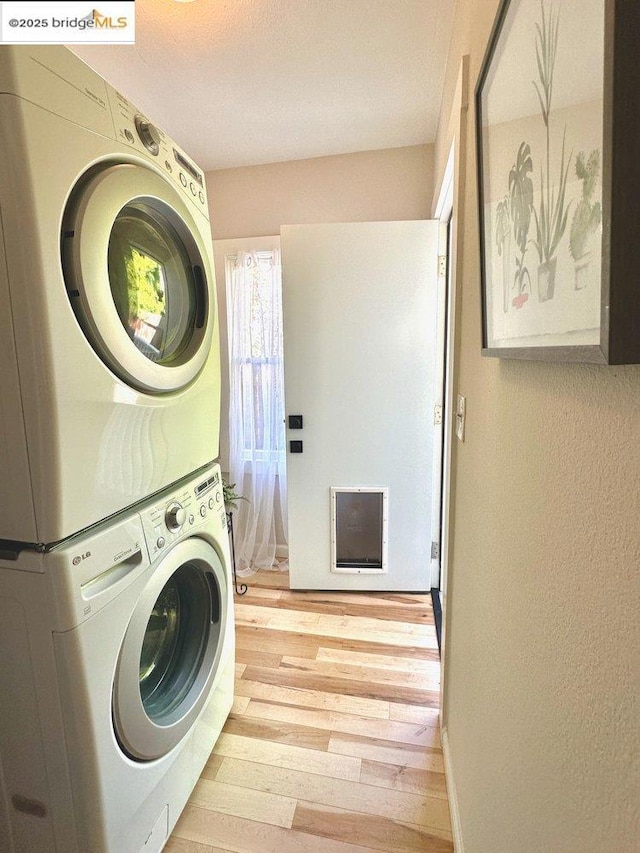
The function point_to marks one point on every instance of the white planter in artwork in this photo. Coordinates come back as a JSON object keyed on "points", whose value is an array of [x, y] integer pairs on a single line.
{"points": [[547, 280], [582, 271]]}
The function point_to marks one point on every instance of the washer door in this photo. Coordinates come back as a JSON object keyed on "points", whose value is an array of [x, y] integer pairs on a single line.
{"points": [[171, 651], [138, 276]]}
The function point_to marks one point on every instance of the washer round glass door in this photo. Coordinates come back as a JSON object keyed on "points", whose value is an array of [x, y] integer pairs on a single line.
{"points": [[171, 651], [138, 276]]}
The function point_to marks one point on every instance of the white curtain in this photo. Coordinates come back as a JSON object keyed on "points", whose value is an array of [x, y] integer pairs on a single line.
{"points": [[256, 412]]}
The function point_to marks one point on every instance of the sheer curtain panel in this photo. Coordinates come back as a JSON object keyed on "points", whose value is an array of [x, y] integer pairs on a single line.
{"points": [[256, 411]]}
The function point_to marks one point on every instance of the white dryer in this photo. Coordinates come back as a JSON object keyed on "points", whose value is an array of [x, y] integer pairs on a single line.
{"points": [[109, 349], [116, 676]]}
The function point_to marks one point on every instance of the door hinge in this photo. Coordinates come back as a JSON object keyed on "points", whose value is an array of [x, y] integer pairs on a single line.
{"points": [[442, 265], [435, 550], [437, 414]]}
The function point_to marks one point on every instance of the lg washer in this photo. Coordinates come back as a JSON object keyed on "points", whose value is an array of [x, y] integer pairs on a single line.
{"points": [[109, 348], [116, 676]]}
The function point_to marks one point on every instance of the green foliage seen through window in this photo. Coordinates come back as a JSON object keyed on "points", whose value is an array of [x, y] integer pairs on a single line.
{"points": [[145, 284]]}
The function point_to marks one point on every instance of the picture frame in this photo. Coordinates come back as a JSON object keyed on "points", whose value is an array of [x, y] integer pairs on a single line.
{"points": [[557, 112]]}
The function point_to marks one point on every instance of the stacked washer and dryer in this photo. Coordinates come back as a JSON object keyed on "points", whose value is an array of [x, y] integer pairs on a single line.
{"points": [[116, 609]]}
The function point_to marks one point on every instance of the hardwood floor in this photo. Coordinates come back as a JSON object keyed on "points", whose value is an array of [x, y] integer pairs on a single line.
{"points": [[333, 744]]}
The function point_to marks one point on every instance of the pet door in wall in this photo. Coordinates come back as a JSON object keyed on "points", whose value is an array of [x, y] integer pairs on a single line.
{"points": [[359, 530]]}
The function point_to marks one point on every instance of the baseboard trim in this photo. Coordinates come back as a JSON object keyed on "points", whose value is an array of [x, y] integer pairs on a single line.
{"points": [[456, 827]]}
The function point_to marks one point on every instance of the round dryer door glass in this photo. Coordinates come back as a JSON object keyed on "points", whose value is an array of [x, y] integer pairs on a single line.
{"points": [[152, 283], [138, 274]]}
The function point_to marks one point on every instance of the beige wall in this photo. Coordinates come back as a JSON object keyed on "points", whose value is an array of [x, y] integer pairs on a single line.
{"points": [[370, 186], [543, 644]]}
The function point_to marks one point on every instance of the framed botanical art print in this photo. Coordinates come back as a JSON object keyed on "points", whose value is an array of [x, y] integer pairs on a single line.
{"points": [[557, 107]]}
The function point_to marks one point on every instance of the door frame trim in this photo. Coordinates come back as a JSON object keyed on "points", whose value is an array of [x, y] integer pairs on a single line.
{"points": [[452, 187]]}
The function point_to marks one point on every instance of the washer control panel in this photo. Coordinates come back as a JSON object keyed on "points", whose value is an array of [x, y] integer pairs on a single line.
{"points": [[174, 516], [188, 508]]}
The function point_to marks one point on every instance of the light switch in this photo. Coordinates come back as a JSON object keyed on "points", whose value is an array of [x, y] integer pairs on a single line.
{"points": [[461, 411]]}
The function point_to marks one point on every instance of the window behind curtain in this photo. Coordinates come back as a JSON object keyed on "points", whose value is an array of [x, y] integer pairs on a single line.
{"points": [[256, 416], [257, 384]]}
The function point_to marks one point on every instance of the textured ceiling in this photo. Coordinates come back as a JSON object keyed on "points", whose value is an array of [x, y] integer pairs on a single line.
{"points": [[242, 82]]}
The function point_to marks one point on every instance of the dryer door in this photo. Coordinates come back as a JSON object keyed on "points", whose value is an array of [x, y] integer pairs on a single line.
{"points": [[171, 652], [138, 275]]}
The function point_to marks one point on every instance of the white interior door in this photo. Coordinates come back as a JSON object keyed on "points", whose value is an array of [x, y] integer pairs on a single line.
{"points": [[359, 304]]}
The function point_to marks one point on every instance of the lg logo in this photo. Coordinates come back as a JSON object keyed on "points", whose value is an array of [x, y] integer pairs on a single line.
{"points": [[77, 560]]}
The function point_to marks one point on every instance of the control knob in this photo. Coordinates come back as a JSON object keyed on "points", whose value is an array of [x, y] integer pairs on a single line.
{"points": [[174, 517], [148, 134]]}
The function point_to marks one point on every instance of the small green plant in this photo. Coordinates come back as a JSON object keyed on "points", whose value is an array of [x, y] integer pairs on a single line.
{"points": [[546, 47], [551, 221], [231, 498], [521, 203], [503, 232], [503, 224], [587, 216]]}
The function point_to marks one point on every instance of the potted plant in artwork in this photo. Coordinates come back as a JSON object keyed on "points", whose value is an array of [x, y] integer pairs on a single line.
{"points": [[586, 218], [551, 219], [521, 204], [503, 245]]}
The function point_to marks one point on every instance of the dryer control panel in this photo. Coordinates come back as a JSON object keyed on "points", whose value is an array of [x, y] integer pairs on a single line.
{"points": [[135, 130], [184, 511]]}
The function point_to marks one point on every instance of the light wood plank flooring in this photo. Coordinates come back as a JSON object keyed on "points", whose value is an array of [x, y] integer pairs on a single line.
{"points": [[333, 744]]}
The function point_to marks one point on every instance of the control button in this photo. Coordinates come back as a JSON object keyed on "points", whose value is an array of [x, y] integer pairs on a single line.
{"points": [[148, 134], [183, 179], [160, 542], [168, 166], [193, 189], [203, 510], [211, 503], [129, 136], [218, 497], [174, 517], [201, 196], [192, 518]]}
